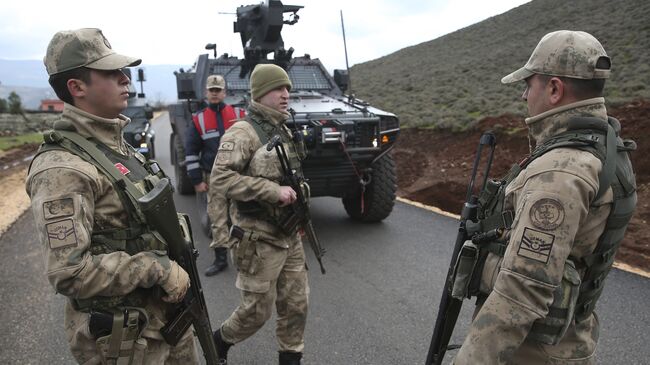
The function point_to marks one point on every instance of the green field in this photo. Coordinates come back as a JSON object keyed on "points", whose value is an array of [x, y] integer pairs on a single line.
{"points": [[7, 143]]}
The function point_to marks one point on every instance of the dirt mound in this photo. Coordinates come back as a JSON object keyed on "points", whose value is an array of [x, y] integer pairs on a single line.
{"points": [[434, 166], [16, 158], [18, 153]]}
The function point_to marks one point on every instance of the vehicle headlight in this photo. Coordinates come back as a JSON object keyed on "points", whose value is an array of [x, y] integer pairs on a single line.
{"points": [[374, 142], [388, 123]]}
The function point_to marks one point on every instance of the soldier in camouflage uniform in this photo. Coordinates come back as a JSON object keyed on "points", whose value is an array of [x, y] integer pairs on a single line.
{"points": [[108, 268], [540, 282], [271, 263]]}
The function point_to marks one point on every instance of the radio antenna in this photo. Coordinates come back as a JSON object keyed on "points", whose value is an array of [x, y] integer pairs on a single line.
{"points": [[345, 47]]}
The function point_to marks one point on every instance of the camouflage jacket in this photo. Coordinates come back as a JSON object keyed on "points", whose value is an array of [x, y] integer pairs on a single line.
{"points": [[244, 171], [555, 218], [70, 199]]}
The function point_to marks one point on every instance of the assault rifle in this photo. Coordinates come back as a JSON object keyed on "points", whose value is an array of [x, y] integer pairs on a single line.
{"points": [[160, 213], [299, 210], [450, 305]]}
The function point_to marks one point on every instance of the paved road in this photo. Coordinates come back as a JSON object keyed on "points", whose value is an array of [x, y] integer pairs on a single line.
{"points": [[375, 305]]}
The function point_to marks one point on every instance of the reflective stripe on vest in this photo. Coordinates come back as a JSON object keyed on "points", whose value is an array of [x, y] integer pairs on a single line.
{"points": [[203, 131], [211, 123], [210, 135], [201, 123]]}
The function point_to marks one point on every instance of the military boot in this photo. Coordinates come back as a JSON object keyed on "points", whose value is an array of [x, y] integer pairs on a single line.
{"points": [[220, 262], [222, 347], [290, 358]]}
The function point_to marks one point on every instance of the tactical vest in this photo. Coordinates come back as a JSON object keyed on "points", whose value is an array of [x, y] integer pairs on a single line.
{"points": [[132, 177], [576, 297], [295, 153]]}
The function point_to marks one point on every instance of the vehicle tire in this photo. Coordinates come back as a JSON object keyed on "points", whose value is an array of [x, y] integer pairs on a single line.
{"points": [[183, 184], [379, 197]]}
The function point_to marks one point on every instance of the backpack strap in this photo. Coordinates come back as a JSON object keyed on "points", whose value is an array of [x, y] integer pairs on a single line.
{"points": [[608, 172], [264, 130]]}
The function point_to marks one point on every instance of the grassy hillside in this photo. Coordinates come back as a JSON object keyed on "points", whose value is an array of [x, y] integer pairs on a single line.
{"points": [[454, 80]]}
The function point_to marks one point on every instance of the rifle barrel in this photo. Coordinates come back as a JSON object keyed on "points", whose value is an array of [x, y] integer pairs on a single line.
{"points": [[449, 307]]}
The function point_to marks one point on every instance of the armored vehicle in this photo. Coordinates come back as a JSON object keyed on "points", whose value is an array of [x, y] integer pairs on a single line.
{"points": [[139, 133], [348, 140]]}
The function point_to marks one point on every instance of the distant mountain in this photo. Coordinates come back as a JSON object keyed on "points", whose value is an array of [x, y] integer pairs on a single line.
{"points": [[454, 80], [23, 73], [28, 79]]}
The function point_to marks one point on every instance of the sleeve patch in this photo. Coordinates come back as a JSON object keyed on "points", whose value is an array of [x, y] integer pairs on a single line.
{"points": [[58, 208], [223, 157], [536, 245], [227, 146], [61, 234], [547, 214]]}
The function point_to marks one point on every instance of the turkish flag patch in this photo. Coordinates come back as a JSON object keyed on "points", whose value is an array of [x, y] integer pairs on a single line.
{"points": [[123, 170]]}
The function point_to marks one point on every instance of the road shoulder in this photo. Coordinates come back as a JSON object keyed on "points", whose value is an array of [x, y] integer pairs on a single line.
{"points": [[15, 200], [617, 264]]}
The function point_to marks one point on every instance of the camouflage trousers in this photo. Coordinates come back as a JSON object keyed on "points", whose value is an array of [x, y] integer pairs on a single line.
{"points": [[84, 348], [280, 278]]}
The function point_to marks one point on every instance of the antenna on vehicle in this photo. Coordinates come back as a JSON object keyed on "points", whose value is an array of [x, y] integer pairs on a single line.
{"points": [[141, 79], [347, 66]]}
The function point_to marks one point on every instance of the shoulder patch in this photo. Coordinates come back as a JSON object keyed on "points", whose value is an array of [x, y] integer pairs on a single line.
{"points": [[536, 245], [61, 234], [58, 208], [547, 214], [227, 146], [223, 157]]}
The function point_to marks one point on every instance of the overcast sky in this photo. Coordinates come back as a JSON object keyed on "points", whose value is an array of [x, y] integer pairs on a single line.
{"points": [[162, 32]]}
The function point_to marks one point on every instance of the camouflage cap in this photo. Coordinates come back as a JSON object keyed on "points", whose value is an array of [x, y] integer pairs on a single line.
{"points": [[565, 53], [85, 47], [215, 81]]}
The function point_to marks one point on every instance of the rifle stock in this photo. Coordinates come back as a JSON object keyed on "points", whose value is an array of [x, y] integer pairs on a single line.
{"points": [[450, 307], [160, 213]]}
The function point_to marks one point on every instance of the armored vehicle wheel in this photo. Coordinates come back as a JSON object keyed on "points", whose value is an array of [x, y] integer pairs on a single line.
{"points": [[183, 183], [379, 196]]}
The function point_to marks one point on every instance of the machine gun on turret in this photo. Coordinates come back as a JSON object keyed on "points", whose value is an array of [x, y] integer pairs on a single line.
{"points": [[260, 28]]}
